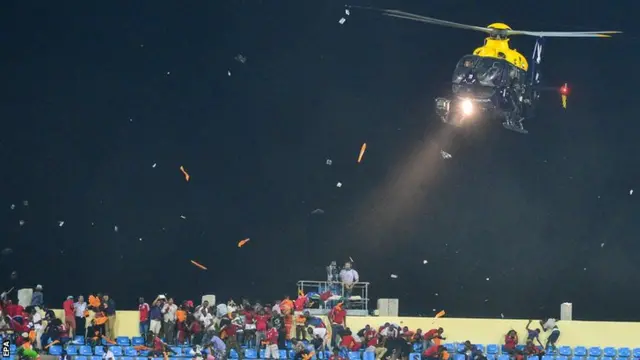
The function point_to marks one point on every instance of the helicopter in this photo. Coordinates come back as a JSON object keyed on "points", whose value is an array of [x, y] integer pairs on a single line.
{"points": [[495, 81]]}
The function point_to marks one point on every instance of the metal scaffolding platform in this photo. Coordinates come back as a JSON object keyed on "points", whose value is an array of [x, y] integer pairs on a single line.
{"points": [[358, 301]]}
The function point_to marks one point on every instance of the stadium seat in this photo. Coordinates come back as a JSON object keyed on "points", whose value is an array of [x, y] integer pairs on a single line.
{"points": [[450, 347], [480, 347], [636, 353], [459, 348], [370, 355], [96, 357], [354, 355], [141, 358], [85, 350], [80, 358], [546, 357], [580, 351], [126, 358], [177, 350], [565, 351], [282, 354], [72, 350], [233, 354], [250, 354], [459, 357], [263, 352], [292, 353], [116, 350], [503, 357], [123, 341], [624, 352], [105, 342], [562, 357], [130, 351], [593, 358], [189, 352], [578, 358], [609, 352], [493, 349], [55, 350], [417, 347], [595, 351], [137, 340], [518, 347], [98, 350], [414, 356], [12, 349], [78, 340]]}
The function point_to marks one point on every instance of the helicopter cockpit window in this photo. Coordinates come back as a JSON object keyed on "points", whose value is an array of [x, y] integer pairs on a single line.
{"points": [[486, 71]]}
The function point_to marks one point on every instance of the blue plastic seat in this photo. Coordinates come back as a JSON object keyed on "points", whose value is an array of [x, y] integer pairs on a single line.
{"points": [[577, 358], [546, 357], [123, 341], [105, 342], [250, 354], [493, 349], [565, 351], [98, 350], [354, 355], [370, 355], [130, 351], [459, 357], [80, 357], [12, 349], [459, 348], [562, 357], [55, 350], [263, 353], [141, 358], [126, 358], [417, 347], [96, 357], [86, 350], [177, 350], [624, 352], [78, 340], [116, 350], [518, 347], [72, 350], [137, 340], [595, 351], [593, 358], [412, 356], [480, 347], [450, 347], [282, 354], [609, 352], [580, 351], [636, 353], [503, 357], [189, 352], [233, 354]]}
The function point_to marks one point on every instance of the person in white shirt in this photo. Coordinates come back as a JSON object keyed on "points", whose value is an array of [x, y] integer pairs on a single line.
{"points": [[169, 320], [36, 324], [108, 354], [348, 277], [79, 307]]}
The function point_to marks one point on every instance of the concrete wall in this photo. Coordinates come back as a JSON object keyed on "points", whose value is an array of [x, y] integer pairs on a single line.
{"points": [[480, 331]]}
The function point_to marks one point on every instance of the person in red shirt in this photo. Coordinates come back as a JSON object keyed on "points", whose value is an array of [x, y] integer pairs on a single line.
{"points": [[347, 342], [249, 326], [510, 341], [230, 331], [433, 337], [69, 315], [338, 318], [271, 349], [261, 320], [143, 309]]}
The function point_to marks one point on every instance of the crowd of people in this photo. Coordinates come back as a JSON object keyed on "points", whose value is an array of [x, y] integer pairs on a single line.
{"points": [[216, 331]]}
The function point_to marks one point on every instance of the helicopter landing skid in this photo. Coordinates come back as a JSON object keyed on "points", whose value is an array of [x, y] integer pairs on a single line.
{"points": [[515, 126]]}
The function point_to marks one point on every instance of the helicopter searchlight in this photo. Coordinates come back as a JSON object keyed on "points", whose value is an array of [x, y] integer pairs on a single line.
{"points": [[467, 107]]}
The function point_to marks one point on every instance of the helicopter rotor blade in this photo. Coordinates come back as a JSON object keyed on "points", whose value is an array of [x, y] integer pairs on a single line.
{"points": [[429, 20], [565, 34]]}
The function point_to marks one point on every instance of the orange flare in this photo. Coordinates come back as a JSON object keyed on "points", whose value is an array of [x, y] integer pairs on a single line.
{"points": [[186, 175], [362, 150], [198, 265], [242, 242]]}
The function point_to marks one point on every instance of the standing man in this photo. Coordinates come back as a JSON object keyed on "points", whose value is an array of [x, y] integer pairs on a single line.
{"points": [[169, 325], [69, 315], [79, 308], [143, 310], [348, 277], [338, 319], [110, 312]]}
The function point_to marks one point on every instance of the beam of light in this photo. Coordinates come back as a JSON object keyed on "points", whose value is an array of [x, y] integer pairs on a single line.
{"points": [[406, 190]]}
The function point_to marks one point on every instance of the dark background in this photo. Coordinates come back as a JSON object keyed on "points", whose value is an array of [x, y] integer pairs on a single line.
{"points": [[95, 93]]}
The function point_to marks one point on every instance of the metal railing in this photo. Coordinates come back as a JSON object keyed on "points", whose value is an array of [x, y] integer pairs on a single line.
{"points": [[359, 299]]}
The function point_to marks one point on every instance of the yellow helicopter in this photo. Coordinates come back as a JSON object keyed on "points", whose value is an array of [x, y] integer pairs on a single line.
{"points": [[495, 81]]}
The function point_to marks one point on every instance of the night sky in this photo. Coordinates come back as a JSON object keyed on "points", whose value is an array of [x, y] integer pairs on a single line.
{"points": [[96, 93]]}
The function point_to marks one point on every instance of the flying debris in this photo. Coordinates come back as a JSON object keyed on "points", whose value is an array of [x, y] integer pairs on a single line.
{"points": [[240, 58], [363, 148], [154, 165], [115, 228], [631, 192], [242, 242], [342, 21], [13, 206], [329, 162], [317, 212], [7, 251], [60, 223], [185, 173], [445, 155], [394, 276], [183, 217], [21, 222], [198, 265], [339, 184]]}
